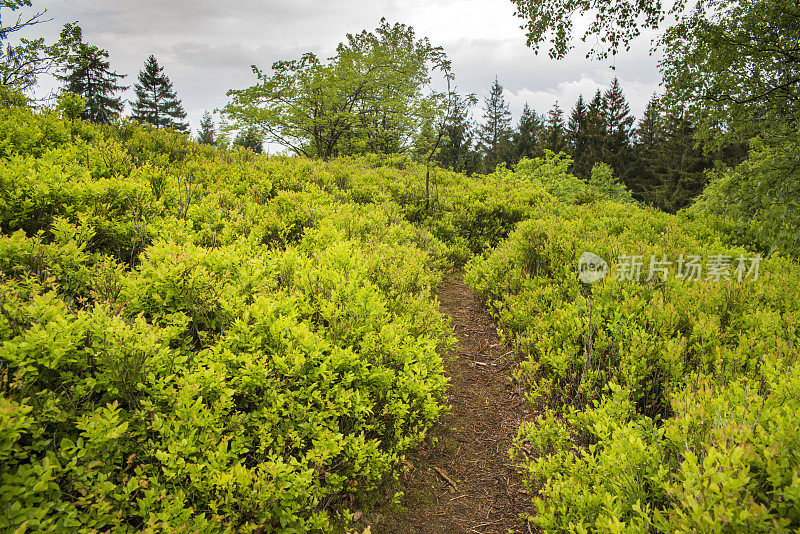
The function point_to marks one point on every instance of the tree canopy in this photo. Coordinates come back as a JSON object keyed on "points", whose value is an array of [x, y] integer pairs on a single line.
{"points": [[367, 98], [22, 63]]}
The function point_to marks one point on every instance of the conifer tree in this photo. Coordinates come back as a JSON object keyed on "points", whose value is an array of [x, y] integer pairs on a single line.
{"points": [[555, 130], [528, 135], [577, 139], [156, 101], [86, 73], [494, 133], [619, 126], [648, 137], [206, 134], [670, 168], [456, 152], [595, 129], [648, 132]]}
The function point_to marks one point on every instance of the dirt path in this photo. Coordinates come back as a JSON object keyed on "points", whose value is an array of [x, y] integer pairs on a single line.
{"points": [[461, 479]]}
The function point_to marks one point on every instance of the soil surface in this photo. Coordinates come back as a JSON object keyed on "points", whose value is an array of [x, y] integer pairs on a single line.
{"points": [[460, 479]]}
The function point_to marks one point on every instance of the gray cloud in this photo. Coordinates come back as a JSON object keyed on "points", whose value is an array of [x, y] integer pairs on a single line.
{"points": [[207, 47]]}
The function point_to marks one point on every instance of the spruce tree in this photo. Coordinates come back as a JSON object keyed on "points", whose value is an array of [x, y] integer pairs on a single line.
{"points": [[595, 129], [86, 73], [677, 165], [156, 101], [494, 133], [206, 134], [648, 131], [555, 130], [619, 126], [528, 135], [577, 140], [648, 139], [456, 152]]}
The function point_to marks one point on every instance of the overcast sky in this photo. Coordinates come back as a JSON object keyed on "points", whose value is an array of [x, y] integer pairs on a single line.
{"points": [[206, 47]]}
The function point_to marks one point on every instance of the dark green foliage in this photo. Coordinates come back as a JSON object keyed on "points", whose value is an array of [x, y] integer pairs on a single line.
{"points": [[495, 131], [528, 135], [678, 166], [86, 73], [595, 128], [156, 101], [206, 134], [578, 139], [666, 168], [250, 140], [555, 130], [458, 152], [618, 129]]}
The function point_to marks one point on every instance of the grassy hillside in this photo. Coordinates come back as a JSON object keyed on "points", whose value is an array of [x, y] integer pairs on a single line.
{"points": [[207, 341]]}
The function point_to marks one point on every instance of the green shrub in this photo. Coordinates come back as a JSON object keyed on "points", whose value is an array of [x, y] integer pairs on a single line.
{"points": [[665, 402], [194, 340], [757, 204]]}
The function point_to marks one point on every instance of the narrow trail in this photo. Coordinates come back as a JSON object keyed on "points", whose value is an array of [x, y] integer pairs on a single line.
{"points": [[461, 479]]}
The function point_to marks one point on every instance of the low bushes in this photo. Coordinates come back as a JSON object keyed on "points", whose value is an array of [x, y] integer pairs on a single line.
{"points": [[201, 341], [666, 405]]}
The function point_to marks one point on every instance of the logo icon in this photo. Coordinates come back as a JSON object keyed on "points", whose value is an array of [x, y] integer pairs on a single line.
{"points": [[591, 268]]}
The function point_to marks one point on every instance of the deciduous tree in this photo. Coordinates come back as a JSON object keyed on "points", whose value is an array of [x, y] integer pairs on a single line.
{"points": [[22, 63], [368, 98]]}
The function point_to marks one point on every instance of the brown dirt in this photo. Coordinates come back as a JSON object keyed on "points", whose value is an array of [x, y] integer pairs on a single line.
{"points": [[460, 479]]}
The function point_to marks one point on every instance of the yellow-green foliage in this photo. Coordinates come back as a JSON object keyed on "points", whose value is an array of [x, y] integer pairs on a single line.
{"points": [[757, 203], [194, 340], [666, 406]]}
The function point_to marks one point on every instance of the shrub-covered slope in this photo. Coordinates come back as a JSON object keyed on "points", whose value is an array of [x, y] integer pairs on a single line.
{"points": [[198, 340], [667, 406]]}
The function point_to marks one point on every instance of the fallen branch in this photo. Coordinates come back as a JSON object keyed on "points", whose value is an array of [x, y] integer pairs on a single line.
{"points": [[446, 478]]}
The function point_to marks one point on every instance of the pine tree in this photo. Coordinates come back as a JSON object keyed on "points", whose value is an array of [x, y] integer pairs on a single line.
{"points": [[206, 134], [648, 132], [86, 73], [595, 129], [156, 101], [577, 139], [457, 152], [528, 135], [494, 133], [648, 138], [619, 126], [555, 130]]}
